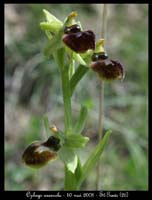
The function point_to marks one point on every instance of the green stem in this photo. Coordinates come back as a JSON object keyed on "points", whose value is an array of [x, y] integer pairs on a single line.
{"points": [[66, 92], [67, 100], [60, 58]]}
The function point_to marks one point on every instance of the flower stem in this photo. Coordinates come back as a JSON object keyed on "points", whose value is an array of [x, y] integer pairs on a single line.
{"points": [[59, 56], [101, 97], [66, 92], [67, 100]]}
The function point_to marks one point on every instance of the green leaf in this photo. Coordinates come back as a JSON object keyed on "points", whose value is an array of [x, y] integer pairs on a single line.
{"points": [[94, 157], [72, 179], [76, 141], [81, 121], [77, 76], [78, 171], [69, 157]]}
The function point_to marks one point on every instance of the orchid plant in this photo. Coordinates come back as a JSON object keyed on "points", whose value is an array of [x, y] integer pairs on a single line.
{"points": [[75, 52]]}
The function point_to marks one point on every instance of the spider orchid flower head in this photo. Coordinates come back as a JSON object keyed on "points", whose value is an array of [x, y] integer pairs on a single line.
{"points": [[106, 68], [76, 39], [38, 154], [79, 41]]}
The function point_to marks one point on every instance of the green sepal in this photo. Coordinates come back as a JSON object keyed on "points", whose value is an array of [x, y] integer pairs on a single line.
{"points": [[75, 141], [53, 27], [69, 157], [51, 18]]}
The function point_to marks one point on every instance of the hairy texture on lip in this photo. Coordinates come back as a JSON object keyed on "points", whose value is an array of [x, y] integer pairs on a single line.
{"points": [[108, 69], [37, 155], [80, 42]]}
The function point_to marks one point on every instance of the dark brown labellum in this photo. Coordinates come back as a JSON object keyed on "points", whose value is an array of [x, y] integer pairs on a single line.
{"points": [[39, 153], [80, 42], [108, 69], [72, 29], [99, 56]]}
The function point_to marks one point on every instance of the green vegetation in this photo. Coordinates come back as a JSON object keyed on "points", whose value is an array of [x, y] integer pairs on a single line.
{"points": [[32, 88]]}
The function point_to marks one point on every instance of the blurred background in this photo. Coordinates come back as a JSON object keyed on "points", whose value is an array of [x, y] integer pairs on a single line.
{"points": [[32, 89]]}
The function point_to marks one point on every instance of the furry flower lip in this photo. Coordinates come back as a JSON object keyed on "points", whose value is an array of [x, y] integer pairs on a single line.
{"points": [[38, 154], [77, 40], [107, 69]]}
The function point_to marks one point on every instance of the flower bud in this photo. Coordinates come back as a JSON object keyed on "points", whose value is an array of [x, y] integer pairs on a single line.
{"points": [[38, 154]]}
